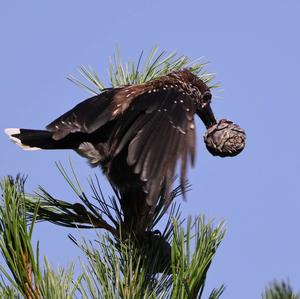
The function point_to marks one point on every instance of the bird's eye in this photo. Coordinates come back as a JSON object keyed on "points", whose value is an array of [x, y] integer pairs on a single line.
{"points": [[206, 97]]}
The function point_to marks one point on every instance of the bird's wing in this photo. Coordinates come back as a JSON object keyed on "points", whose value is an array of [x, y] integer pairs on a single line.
{"points": [[93, 113], [85, 117], [158, 128]]}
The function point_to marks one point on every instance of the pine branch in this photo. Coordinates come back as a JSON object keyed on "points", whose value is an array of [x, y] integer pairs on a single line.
{"points": [[119, 272], [64, 213], [83, 214], [94, 212], [58, 284], [190, 270], [125, 270], [135, 267], [155, 65], [26, 277], [15, 239], [280, 290], [8, 291]]}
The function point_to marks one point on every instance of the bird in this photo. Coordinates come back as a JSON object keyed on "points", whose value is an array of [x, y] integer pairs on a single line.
{"points": [[141, 135]]}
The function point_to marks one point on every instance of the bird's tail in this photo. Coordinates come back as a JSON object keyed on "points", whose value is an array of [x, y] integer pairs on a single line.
{"points": [[36, 139]]}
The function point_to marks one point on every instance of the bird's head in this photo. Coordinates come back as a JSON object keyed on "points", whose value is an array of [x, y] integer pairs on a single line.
{"points": [[199, 91]]}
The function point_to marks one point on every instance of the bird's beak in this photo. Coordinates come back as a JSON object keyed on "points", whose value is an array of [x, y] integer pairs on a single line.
{"points": [[207, 116]]}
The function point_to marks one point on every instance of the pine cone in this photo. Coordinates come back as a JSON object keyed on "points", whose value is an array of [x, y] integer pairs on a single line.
{"points": [[225, 139]]}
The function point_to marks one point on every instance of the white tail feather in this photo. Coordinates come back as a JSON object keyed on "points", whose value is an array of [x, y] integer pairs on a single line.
{"points": [[17, 141]]}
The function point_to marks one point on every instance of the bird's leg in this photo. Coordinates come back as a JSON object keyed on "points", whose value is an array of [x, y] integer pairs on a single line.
{"points": [[136, 211]]}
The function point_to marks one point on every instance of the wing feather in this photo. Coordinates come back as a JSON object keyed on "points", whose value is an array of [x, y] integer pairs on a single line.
{"points": [[154, 125], [161, 132], [85, 117]]}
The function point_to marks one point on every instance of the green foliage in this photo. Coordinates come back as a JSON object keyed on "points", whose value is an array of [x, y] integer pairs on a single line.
{"points": [[190, 270], [26, 277], [99, 212], [115, 268], [119, 272], [15, 238], [153, 66], [58, 284], [123, 272], [8, 291], [280, 290]]}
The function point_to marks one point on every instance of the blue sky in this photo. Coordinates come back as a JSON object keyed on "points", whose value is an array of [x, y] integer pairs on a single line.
{"points": [[253, 47]]}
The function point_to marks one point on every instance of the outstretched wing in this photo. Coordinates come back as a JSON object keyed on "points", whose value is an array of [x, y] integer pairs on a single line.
{"points": [[158, 128]]}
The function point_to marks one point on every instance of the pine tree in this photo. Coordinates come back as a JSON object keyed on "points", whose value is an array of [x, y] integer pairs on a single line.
{"points": [[170, 264]]}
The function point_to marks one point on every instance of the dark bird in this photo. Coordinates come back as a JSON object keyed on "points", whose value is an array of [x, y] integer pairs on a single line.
{"points": [[136, 133]]}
